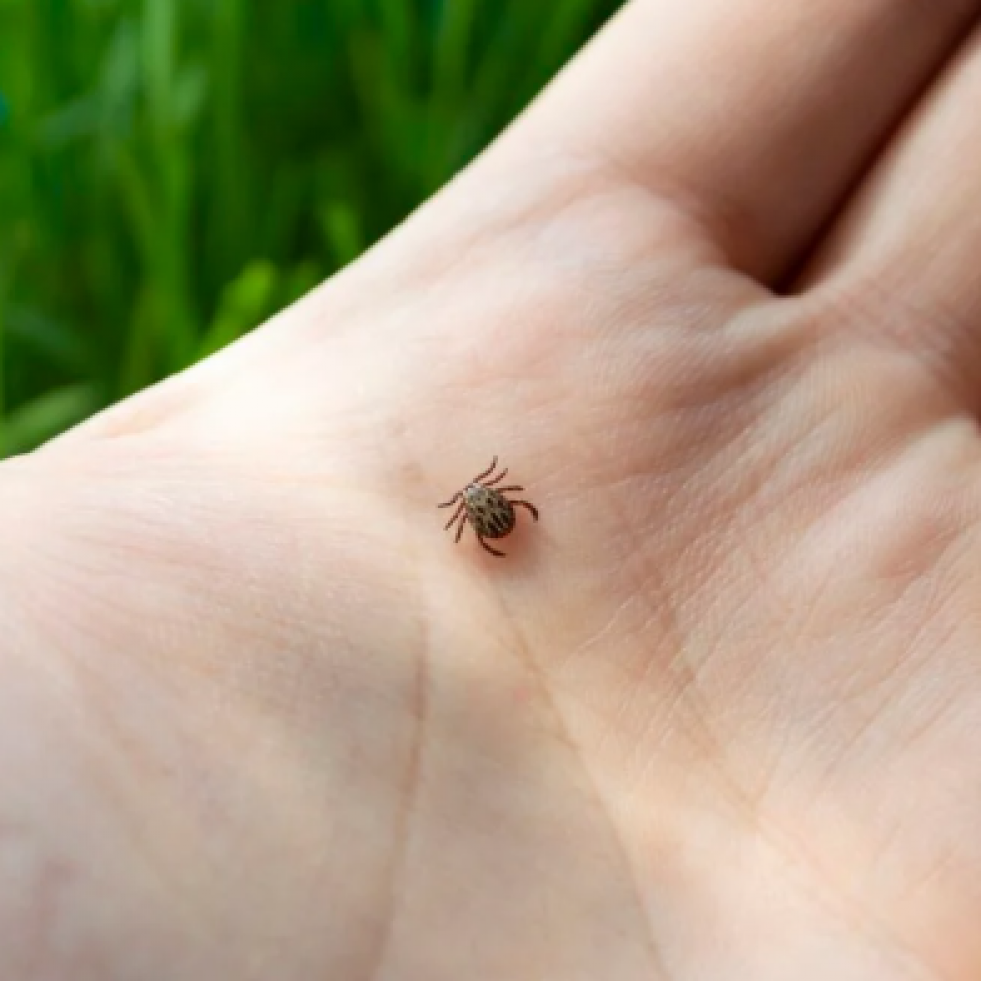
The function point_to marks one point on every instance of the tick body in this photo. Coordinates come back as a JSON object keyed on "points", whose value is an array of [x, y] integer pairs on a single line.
{"points": [[484, 505]]}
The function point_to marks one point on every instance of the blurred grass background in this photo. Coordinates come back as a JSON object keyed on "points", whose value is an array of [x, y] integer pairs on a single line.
{"points": [[172, 172]]}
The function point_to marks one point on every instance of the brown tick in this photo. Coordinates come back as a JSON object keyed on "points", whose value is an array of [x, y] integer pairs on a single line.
{"points": [[484, 505]]}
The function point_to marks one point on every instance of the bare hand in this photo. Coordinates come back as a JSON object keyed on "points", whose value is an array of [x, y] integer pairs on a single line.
{"points": [[714, 301]]}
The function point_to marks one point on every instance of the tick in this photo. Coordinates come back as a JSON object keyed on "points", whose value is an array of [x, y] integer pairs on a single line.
{"points": [[484, 505]]}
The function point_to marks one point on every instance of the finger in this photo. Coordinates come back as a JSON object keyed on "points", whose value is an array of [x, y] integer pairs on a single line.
{"points": [[903, 261], [753, 116]]}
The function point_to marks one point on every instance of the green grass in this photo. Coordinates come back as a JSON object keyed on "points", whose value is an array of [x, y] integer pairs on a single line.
{"points": [[174, 171]]}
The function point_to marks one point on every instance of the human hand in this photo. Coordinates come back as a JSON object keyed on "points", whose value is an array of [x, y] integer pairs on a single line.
{"points": [[712, 301]]}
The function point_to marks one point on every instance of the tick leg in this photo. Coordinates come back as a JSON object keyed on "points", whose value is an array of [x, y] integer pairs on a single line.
{"points": [[531, 507], [455, 497], [501, 490], [493, 551], [499, 477], [459, 531], [455, 516], [486, 473]]}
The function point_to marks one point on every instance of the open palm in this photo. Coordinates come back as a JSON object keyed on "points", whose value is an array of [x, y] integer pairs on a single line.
{"points": [[714, 302]]}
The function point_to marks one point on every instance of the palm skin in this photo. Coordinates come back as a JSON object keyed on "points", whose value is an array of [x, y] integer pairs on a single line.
{"points": [[715, 716]]}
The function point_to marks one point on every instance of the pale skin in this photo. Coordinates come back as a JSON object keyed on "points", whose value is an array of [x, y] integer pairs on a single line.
{"points": [[715, 302]]}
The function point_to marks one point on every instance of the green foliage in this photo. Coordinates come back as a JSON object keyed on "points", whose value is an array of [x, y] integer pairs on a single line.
{"points": [[174, 171]]}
